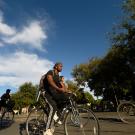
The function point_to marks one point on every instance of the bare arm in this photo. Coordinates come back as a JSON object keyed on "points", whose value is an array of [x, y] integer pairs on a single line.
{"points": [[62, 84], [52, 83], [65, 87]]}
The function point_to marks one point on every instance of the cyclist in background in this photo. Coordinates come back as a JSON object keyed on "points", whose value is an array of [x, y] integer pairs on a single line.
{"points": [[5, 98]]}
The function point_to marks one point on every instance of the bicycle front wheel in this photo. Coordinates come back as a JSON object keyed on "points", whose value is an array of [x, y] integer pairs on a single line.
{"points": [[126, 112], [36, 122], [81, 122]]}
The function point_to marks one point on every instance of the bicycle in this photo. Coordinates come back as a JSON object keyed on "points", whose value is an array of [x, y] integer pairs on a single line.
{"points": [[126, 112], [76, 119], [7, 114]]}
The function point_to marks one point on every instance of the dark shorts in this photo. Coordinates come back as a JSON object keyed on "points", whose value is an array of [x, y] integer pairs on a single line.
{"points": [[60, 98]]}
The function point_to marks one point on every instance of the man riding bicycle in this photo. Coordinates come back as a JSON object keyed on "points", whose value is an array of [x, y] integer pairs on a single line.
{"points": [[5, 98], [54, 95]]}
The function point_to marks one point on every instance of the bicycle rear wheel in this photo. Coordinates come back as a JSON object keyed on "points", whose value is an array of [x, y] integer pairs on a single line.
{"points": [[126, 112], [36, 122], [6, 117], [84, 122]]}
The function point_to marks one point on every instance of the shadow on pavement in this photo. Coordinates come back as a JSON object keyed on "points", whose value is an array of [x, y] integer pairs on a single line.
{"points": [[110, 119], [5, 124], [22, 128]]}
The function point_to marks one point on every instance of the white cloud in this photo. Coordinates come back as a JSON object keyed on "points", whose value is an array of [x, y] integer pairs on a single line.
{"points": [[5, 29], [32, 35], [22, 67], [17, 68]]}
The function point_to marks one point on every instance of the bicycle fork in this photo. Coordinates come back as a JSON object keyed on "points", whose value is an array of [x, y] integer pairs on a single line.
{"points": [[74, 114]]}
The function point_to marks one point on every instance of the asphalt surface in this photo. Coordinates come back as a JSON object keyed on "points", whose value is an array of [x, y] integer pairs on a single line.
{"points": [[110, 124]]}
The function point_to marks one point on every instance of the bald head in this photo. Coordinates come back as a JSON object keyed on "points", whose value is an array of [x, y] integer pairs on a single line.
{"points": [[58, 66]]}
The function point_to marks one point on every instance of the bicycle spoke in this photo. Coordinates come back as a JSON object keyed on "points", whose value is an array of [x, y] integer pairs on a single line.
{"points": [[126, 112], [36, 122], [83, 124]]}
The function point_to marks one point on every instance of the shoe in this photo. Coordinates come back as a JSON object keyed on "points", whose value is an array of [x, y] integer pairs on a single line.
{"points": [[59, 122], [48, 132], [55, 117], [64, 109]]}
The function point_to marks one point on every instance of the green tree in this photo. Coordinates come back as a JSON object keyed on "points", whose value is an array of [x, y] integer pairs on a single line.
{"points": [[25, 95], [124, 39], [83, 72], [115, 71], [89, 97]]}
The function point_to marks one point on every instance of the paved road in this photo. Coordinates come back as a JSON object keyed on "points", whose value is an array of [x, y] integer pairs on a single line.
{"points": [[109, 123]]}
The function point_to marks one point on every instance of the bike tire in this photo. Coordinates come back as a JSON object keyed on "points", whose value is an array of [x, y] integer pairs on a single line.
{"points": [[36, 122], [84, 123], [126, 112], [6, 117]]}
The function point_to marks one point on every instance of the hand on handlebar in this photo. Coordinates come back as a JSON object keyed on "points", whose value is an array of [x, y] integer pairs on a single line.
{"points": [[70, 92], [64, 90], [61, 89]]}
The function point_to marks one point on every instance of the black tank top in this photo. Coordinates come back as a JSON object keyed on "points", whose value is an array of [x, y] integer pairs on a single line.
{"points": [[56, 79]]}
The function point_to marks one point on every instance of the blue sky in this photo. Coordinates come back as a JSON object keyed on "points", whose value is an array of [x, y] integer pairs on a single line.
{"points": [[34, 34]]}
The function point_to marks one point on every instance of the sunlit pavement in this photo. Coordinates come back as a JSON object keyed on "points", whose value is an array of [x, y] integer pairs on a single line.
{"points": [[110, 124]]}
